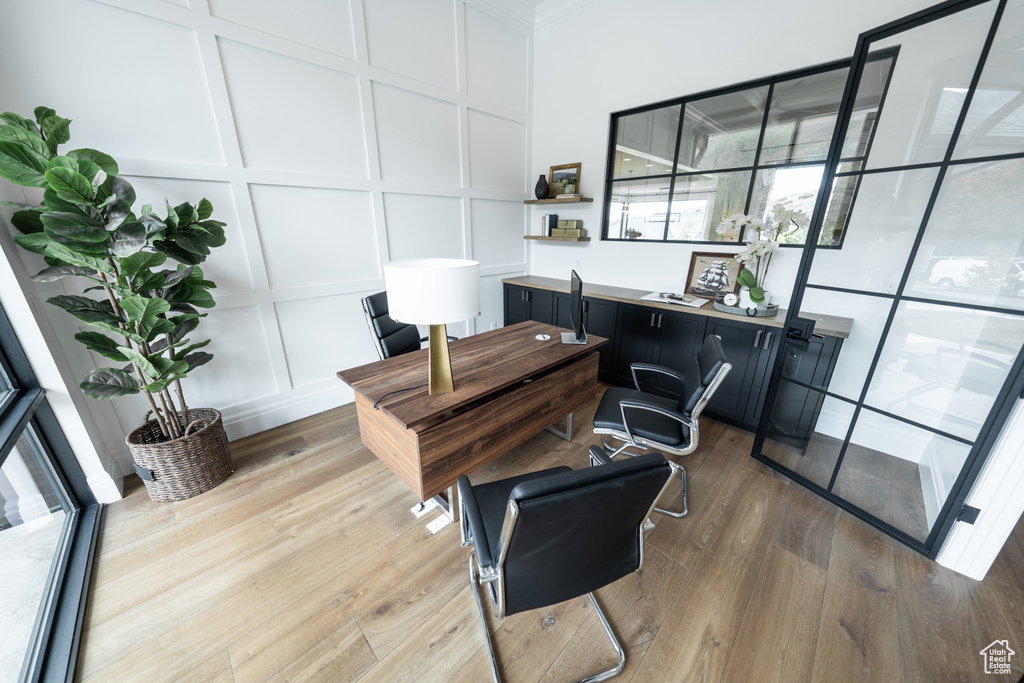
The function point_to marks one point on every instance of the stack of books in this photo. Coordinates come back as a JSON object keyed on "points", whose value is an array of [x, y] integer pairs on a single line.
{"points": [[568, 196]]}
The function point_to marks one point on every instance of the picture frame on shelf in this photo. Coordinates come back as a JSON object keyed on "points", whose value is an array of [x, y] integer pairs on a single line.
{"points": [[564, 179], [712, 274]]}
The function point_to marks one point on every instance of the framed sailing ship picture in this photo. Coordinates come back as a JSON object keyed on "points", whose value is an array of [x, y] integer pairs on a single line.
{"points": [[712, 275]]}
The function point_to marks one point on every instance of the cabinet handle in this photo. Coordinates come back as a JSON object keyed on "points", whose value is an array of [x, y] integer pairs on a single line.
{"points": [[757, 338], [652, 320], [767, 341], [522, 295], [528, 293], [659, 320]]}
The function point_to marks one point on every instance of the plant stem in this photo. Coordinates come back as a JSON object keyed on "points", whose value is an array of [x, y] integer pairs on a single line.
{"points": [[171, 421]]}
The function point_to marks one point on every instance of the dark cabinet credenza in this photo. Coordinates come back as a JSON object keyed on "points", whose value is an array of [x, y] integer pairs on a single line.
{"points": [[664, 334]]}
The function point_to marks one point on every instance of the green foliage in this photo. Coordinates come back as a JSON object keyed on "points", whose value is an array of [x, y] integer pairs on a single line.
{"points": [[86, 228], [747, 279]]}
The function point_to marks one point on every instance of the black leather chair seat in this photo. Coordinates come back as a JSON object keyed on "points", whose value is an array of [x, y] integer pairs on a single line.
{"points": [[492, 499], [642, 423]]}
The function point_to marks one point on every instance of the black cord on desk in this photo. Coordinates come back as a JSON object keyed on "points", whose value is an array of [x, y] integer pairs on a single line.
{"points": [[396, 391]]}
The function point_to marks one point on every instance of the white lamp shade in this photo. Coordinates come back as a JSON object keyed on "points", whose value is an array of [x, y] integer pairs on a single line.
{"points": [[433, 291]]}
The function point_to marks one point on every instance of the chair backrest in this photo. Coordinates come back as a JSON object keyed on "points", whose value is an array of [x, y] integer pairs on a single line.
{"points": [[702, 378], [389, 337], [579, 530]]}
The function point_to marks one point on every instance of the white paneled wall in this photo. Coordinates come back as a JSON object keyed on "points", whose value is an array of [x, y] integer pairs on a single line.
{"points": [[331, 137]]}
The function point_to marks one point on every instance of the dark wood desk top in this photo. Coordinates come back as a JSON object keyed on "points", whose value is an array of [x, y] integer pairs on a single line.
{"points": [[481, 365]]}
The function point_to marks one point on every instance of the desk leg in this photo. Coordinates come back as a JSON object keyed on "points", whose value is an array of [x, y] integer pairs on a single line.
{"points": [[447, 507], [567, 434]]}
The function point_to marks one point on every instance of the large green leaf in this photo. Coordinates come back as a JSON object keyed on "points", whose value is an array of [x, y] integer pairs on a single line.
{"points": [[117, 213], [145, 313], [173, 277], [179, 355], [101, 344], [70, 185], [108, 383], [129, 239], [27, 222], [145, 260], [183, 324], [123, 189], [172, 218], [168, 367], [104, 161], [98, 314], [57, 131], [143, 363], [17, 120], [153, 223], [26, 138], [74, 225], [65, 255], [55, 203], [54, 273], [196, 359], [36, 243], [205, 209], [22, 165], [43, 113]]}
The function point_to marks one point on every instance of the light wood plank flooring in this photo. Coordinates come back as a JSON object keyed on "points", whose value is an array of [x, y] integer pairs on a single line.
{"points": [[307, 565]]}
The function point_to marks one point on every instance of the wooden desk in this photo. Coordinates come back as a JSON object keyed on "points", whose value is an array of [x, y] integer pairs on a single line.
{"points": [[508, 387]]}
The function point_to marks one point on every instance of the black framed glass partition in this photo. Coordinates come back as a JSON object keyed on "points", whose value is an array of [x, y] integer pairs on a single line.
{"points": [[931, 271], [48, 525], [677, 169]]}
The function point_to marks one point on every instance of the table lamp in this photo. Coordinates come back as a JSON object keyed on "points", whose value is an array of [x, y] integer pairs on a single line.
{"points": [[434, 292]]}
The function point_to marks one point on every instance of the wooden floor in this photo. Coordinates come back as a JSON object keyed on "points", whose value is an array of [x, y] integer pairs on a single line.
{"points": [[308, 565]]}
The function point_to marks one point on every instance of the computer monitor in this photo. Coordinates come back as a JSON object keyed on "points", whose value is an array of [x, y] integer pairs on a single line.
{"points": [[578, 334]]}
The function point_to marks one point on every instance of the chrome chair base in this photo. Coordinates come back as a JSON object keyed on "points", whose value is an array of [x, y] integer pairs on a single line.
{"points": [[676, 469], [601, 676]]}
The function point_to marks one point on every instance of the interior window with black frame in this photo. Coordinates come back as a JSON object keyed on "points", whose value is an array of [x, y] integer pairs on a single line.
{"points": [[677, 170]]}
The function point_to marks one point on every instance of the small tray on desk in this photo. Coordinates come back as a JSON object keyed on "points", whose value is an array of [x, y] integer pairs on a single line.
{"points": [[767, 312]]}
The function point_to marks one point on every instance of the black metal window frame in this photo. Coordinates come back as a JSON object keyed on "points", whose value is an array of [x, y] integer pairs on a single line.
{"points": [[756, 166], [1012, 387], [53, 648]]}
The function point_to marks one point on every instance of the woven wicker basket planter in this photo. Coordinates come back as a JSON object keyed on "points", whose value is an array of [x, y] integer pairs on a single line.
{"points": [[183, 467]]}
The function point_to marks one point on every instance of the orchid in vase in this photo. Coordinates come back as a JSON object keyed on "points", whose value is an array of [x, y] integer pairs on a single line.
{"points": [[756, 256]]}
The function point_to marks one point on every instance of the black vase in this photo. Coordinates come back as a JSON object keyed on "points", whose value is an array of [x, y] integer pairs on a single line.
{"points": [[542, 189]]}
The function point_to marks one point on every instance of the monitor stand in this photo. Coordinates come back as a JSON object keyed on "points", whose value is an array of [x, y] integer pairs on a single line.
{"points": [[570, 338]]}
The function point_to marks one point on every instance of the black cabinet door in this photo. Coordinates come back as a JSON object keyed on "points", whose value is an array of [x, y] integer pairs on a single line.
{"points": [[741, 343], [681, 336], [517, 308], [599, 318], [562, 315], [526, 303], [762, 370], [637, 342]]}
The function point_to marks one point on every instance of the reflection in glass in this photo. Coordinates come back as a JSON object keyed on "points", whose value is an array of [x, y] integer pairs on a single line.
{"points": [[31, 523], [802, 117], [7, 389], [646, 142], [898, 472], [700, 202], [806, 432], [638, 209], [869, 314], [874, 79], [880, 231], [795, 189], [722, 132], [995, 120], [935, 65], [973, 247], [943, 367]]}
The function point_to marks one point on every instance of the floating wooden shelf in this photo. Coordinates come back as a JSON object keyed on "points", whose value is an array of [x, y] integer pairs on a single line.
{"points": [[567, 200], [557, 239]]}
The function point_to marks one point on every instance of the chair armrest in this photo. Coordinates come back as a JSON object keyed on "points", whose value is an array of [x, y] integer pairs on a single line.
{"points": [[648, 367], [598, 456], [637, 404], [474, 522]]}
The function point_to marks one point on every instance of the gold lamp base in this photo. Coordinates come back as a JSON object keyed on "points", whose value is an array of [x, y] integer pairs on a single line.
{"points": [[440, 372]]}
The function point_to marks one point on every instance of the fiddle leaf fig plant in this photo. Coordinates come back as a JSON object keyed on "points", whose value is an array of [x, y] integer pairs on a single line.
{"points": [[144, 269]]}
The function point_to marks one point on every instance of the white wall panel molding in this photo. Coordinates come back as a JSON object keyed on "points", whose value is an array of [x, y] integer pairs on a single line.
{"points": [[291, 113], [553, 10], [517, 14]]}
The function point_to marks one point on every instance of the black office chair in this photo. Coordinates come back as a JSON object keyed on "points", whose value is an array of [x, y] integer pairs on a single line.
{"points": [[546, 537], [640, 419], [391, 338]]}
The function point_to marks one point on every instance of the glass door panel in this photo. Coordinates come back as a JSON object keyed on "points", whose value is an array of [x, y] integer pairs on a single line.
{"points": [[995, 119], [33, 514], [880, 232], [926, 92], [973, 248], [808, 445], [943, 367]]}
